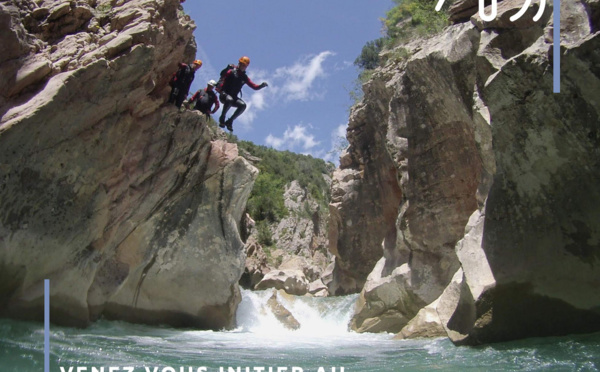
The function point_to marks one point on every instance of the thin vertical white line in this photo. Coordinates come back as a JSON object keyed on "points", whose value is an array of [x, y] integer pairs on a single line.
{"points": [[556, 46], [46, 325]]}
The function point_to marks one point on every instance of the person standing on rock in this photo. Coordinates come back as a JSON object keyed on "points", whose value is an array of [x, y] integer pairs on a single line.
{"points": [[205, 98], [230, 85], [181, 82]]}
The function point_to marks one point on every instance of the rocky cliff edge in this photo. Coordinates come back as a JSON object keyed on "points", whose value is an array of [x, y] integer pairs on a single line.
{"points": [[132, 210]]}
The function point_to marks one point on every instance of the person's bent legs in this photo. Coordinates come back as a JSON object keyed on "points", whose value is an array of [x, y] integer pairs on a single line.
{"points": [[227, 101], [240, 108]]}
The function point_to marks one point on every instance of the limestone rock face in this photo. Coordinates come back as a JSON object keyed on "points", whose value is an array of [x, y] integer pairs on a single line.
{"points": [[509, 8], [256, 266], [132, 211], [462, 10], [495, 181], [303, 232], [299, 241], [541, 229], [365, 197], [430, 136]]}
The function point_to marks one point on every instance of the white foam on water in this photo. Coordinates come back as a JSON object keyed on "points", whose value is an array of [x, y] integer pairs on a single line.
{"points": [[326, 316], [323, 321]]}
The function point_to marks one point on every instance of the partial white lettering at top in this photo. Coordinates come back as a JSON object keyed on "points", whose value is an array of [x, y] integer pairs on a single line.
{"points": [[494, 10]]}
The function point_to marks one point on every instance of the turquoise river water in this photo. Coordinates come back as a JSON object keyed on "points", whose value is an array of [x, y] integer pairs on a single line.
{"points": [[262, 344]]}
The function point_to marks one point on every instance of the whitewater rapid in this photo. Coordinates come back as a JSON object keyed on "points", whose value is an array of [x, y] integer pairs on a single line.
{"points": [[317, 316]]}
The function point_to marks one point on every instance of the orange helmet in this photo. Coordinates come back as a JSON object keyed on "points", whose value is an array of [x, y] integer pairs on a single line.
{"points": [[245, 60], [198, 62]]}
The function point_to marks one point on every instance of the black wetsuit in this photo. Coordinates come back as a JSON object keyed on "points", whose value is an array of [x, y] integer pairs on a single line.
{"points": [[183, 80], [233, 81], [204, 100]]}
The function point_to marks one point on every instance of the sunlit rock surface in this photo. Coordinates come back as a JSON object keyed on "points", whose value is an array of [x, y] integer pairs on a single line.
{"points": [[474, 185], [131, 210]]}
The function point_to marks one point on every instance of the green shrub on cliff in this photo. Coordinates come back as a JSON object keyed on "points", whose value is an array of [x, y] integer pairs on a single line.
{"points": [[411, 18], [406, 20], [277, 169]]}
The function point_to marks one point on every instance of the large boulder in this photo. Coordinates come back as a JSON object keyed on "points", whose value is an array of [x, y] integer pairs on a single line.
{"points": [[131, 210], [382, 305], [291, 281], [318, 289], [426, 324]]}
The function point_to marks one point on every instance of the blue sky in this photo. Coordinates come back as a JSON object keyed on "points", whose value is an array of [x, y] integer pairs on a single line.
{"points": [[304, 49]]}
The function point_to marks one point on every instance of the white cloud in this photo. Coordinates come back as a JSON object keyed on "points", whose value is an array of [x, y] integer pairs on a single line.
{"points": [[343, 65], [331, 158], [257, 102], [296, 138], [274, 142], [340, 131], [299, 78], [246, 119]]}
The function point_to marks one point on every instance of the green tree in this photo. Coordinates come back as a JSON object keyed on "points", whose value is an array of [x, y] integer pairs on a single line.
{"points": [[266, 200], [264, 234], [369, 56]]}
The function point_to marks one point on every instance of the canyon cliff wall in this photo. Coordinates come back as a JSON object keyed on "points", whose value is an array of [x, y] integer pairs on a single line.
{"points": [[475, 183], [131, 209], [298, 254]]}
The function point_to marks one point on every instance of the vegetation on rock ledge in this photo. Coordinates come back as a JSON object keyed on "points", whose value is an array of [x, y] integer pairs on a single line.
{"points": [[277, 169], [406, 20]]}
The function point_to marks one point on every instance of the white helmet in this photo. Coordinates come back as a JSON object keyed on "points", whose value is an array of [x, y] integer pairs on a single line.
{"points": [[212, 83]]}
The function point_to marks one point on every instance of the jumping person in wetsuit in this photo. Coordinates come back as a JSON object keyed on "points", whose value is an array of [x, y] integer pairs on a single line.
{"points": [[230, 86], [205, 98], [182, 81]]}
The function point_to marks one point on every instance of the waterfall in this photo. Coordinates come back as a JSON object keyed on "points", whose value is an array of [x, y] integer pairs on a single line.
{"points": [[324, 317]]}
